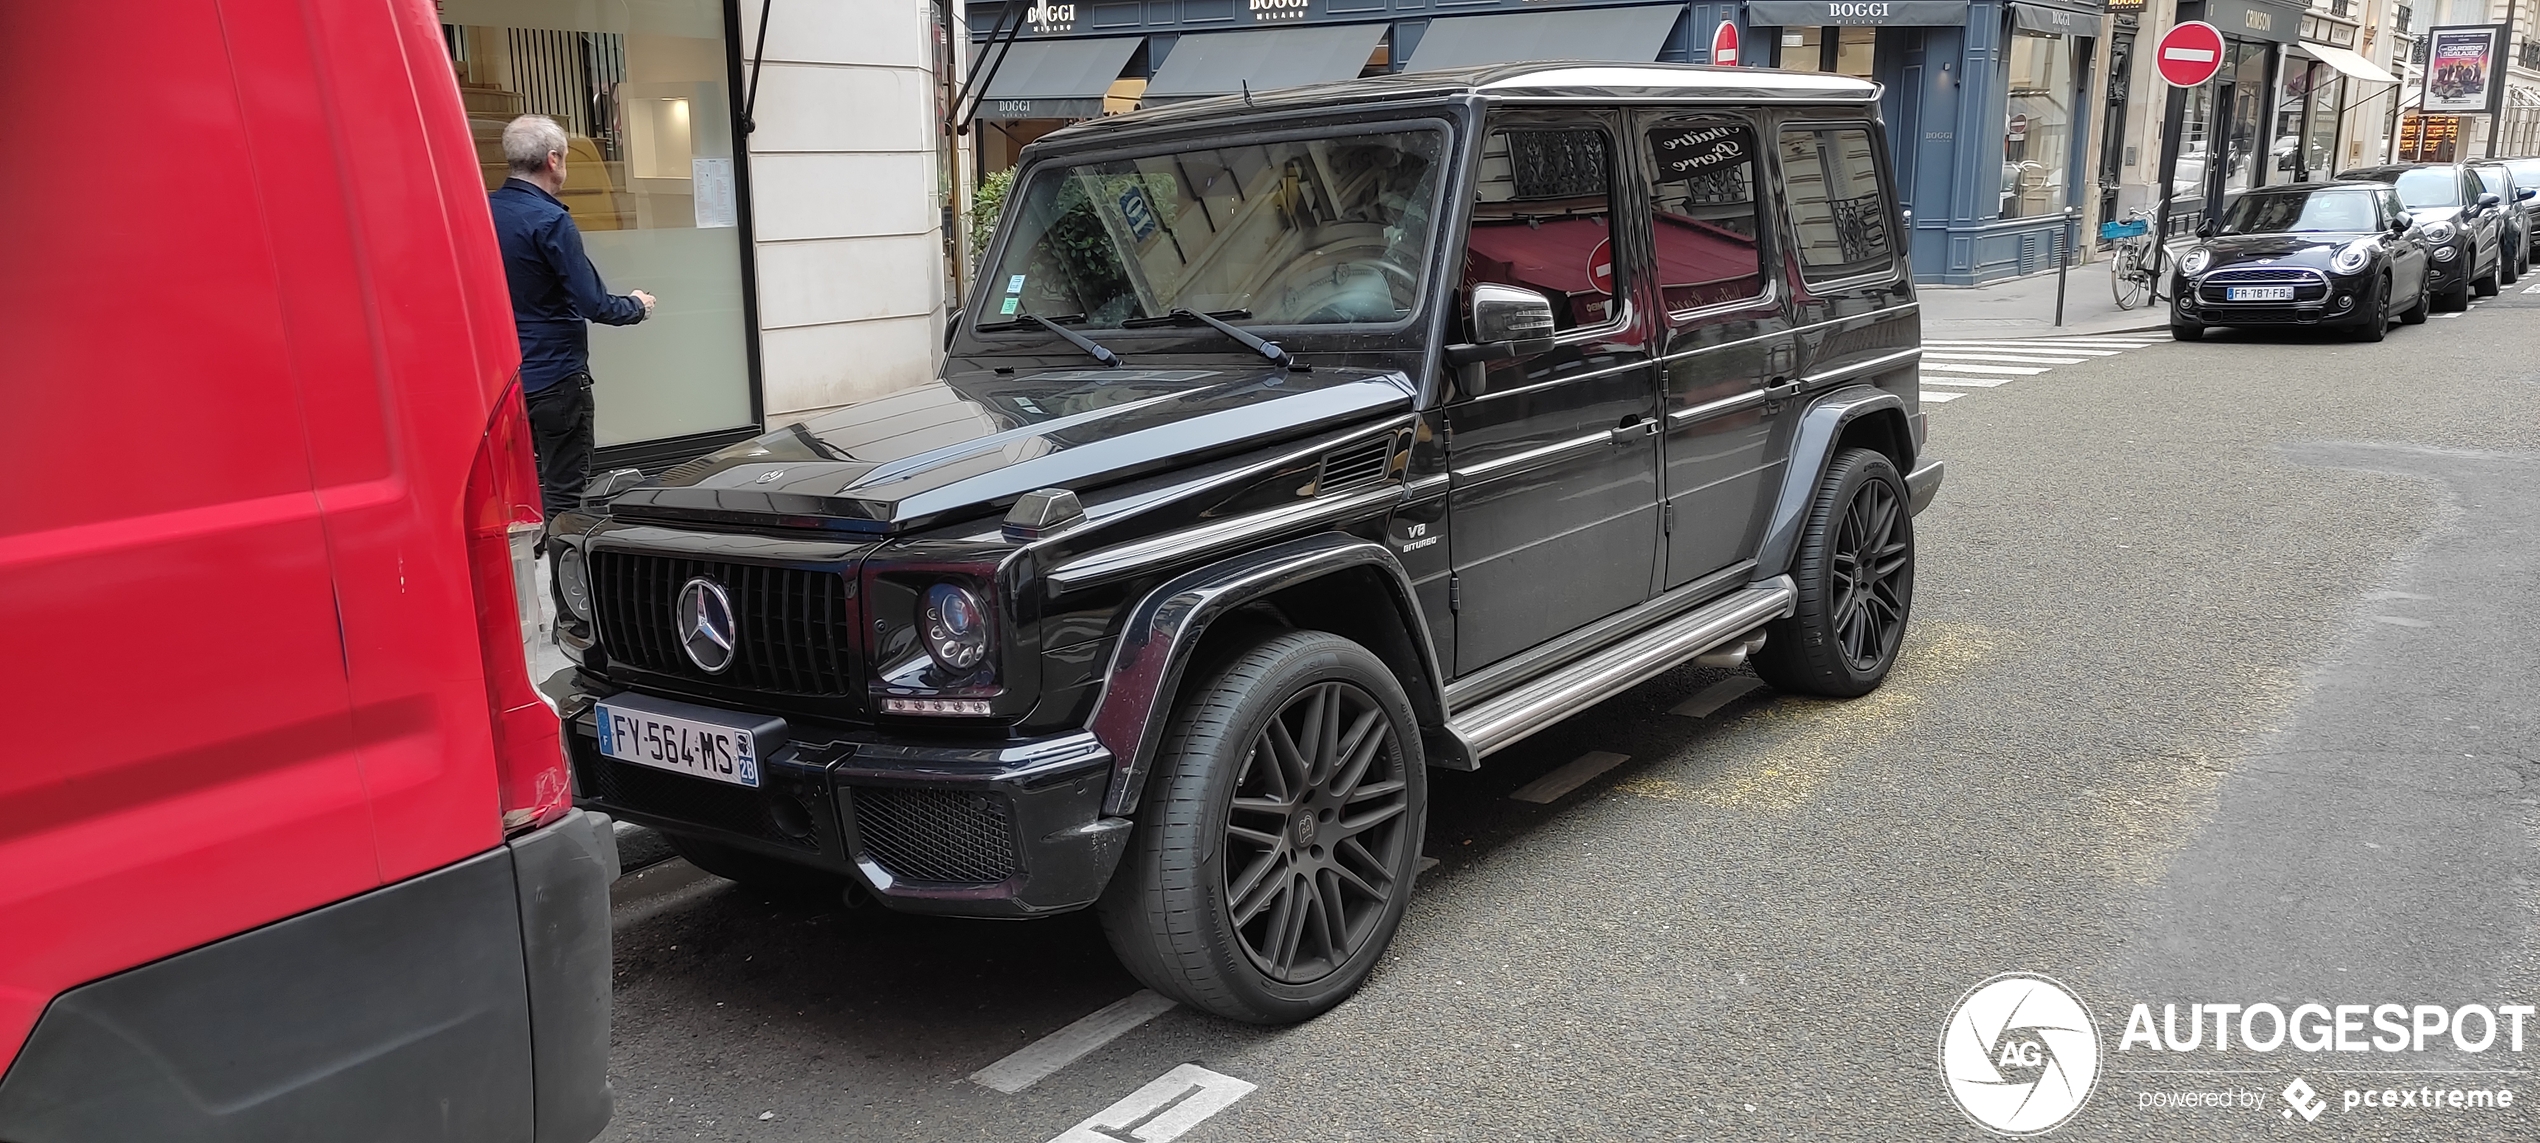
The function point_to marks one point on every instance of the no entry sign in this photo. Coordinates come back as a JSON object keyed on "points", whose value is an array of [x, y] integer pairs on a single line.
{"points": [[2190, 54], [1600, 267], [1724, 44]]}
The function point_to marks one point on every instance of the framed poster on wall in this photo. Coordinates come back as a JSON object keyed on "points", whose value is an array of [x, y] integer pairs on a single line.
{"points": [[2464, 69]]}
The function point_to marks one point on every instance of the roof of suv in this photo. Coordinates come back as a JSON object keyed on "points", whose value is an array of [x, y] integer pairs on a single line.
{"points": [[1528, 82]]}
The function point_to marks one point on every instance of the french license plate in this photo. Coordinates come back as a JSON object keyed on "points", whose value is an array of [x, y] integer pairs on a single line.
{"points": [[702, 748], [2258, 293]]}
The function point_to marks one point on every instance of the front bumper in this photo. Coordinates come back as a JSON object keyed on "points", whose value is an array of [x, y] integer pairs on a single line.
{"points": [[2343, 302], [1010, 828]]}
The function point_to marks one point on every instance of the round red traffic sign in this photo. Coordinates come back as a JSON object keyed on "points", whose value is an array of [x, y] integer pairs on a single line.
{"points": [[1600, 266], [1724, 44], [2190, 54]]}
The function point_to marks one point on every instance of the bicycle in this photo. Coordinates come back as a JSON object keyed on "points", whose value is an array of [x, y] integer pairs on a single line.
{"points": [[2130, 267]]}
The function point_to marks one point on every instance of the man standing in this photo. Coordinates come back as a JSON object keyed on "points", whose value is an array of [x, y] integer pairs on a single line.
{"points": [[555, 289]]}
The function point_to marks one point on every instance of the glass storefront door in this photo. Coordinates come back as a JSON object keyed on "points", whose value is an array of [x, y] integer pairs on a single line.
{"points": [[2037, 133], [642, 91]]}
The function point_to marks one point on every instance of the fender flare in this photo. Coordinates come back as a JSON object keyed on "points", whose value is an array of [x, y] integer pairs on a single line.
{"points": [[1166, 627], [1812, 449]]}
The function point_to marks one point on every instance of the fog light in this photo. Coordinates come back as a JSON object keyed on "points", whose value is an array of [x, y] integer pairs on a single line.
{"points": [[2446, 253], [934, 706], [2345, 303]]}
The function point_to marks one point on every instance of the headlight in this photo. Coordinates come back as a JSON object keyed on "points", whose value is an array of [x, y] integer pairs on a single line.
{"points": [[573, 581], [955, 627], [2194, 261], [2439, 232], [2352, 259]]}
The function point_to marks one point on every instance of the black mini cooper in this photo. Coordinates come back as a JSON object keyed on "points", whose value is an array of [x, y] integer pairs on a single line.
{"points": [[2340, 254]]}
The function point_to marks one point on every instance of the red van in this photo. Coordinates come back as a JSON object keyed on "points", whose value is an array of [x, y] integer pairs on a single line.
{"points": [[286, 844]]}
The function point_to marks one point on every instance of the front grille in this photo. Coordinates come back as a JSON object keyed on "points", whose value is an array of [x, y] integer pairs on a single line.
{"points": [[791, 818], [795, 625], [2308, 285], [935, 835]]}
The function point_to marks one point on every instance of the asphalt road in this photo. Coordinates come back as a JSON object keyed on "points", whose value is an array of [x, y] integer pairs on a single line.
{"points": [[2221, 688]]}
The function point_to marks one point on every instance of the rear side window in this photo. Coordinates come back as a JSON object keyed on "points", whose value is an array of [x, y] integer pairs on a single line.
{"points": [[1704, 209], [1543, 215], [1839, 216]]}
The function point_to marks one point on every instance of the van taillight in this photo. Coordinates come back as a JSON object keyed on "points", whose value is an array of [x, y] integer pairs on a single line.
{"points": [[502, 531]]}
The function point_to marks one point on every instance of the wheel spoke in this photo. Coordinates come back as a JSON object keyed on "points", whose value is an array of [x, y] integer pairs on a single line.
{"points": [[1256, 890], [1335, 919], [1358, 749], [1276, 807], [1266, 840], [1376, 790], [1327, 734], [1349, 876], [1286, 759], [1289, 925], [1352, 827]]}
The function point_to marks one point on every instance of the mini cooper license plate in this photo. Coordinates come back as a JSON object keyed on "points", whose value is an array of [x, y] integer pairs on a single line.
{"points": [[2258, 293], [698, 741]]}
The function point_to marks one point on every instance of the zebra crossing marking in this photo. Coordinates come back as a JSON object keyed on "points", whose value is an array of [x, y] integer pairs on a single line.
{"points": [[1952, 365]]}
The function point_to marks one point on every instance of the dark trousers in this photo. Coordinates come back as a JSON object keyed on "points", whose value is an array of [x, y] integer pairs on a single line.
{"points": [[560, 430]]}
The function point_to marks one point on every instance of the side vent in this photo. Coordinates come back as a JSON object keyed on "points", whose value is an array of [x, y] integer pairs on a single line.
{"points": [[1354, 466]]}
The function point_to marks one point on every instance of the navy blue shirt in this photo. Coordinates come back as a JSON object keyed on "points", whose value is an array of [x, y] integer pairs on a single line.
{"points": [[555, 289]]}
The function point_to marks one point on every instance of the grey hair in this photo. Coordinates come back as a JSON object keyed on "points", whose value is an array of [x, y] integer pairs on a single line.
{"points": [[528, 140]]}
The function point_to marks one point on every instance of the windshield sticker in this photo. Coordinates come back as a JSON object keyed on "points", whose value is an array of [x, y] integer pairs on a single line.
{"points": [[1014, 285], [1009, 306]]}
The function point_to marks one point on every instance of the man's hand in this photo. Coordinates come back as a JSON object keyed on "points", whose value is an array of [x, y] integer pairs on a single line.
{"points": [[643, 297]]}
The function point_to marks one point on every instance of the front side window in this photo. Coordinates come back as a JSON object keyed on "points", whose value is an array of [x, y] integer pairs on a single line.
{"points": [[1838, 213], [1302, 232], [2037, 134], [1543, 214], [2492, 180], [2429, 187], [1704, 209], [2296, 212]]}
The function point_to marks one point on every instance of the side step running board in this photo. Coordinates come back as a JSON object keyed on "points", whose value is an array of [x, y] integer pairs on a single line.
{"points": [[1506, 718]]}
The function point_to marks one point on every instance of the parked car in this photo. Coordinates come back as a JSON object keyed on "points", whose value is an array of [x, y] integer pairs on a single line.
{"points": [[2461, 222], [2520, 199], [1292, 445], [2526, 174], [290, 848], [2342, 254]]}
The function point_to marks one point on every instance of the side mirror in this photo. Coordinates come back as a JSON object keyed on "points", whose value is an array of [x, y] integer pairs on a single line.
{"points": [[2524, 195], [1507, 322], [2402, 222], [2205, 228], [2488, 201]]}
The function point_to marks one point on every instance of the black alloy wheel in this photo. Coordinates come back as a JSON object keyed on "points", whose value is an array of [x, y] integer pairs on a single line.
{"points": [[2424, 307], [2454, 298], [1855, 578], [1314, 831], [2373, 322], [1279, 834]]}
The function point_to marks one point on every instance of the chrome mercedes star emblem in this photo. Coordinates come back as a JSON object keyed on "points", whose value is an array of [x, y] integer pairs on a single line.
{"points": [[706, 630]]}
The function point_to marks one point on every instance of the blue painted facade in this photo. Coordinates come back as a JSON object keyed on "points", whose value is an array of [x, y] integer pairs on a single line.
{"points": [[1946, 103]]}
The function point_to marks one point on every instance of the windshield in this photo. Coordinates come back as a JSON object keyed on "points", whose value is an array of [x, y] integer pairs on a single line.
{"points": [[2298, 211], [1306, 231], [2435, 186]]}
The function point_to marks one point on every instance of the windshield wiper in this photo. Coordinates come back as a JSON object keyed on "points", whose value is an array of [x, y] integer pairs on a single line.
{"points": [[1267, 349], [1090, 346]]}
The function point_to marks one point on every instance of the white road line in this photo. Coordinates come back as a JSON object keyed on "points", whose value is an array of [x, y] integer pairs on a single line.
{"points": [[2001, 358], [1041, 1057], [2531, 289], [2115, 346], [1991, 370], [1163, 1110], [1940, 398], [1711, 698], [1968, 382], [1548, 789], [1930, 347]]}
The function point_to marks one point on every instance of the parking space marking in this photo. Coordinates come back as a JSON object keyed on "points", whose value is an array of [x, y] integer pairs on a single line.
{"points": [[1548, 789], [1710, 699], [1930, 347], [2001, 358], [1940, 398], [2114, 344], [1163, 1110], [1995, 370], [2531, 289], [1968, 382], [1074, 1042]]}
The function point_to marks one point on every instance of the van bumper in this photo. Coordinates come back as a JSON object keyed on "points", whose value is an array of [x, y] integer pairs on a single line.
{"points": [[471, 1002], [1009, 829]]}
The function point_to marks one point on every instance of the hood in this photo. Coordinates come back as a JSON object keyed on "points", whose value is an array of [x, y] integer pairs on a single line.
{"points": [[972, 442], [2425, 214], [2306, 248]]}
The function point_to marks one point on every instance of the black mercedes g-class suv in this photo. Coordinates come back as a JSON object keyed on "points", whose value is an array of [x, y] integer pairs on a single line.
{"points": [[1286, 446]]}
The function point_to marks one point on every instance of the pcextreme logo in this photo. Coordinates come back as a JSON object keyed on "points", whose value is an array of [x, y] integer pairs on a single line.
{"points": [[2020, 1053]]}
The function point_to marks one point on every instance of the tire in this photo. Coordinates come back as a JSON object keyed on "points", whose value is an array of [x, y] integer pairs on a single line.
{"points": [[2416, 314], [2486, 287], [1223, 899], [2453, 299], [2186, 332], [753, 870], [2506, 271], [2375, 322], [1841, 637]]}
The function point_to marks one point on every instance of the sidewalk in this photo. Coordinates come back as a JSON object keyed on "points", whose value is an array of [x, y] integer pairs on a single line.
{"points": [[2025, 307]]}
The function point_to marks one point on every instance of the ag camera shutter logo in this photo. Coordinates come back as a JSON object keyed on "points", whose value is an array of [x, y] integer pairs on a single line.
{"points": [[2020, 1054]]}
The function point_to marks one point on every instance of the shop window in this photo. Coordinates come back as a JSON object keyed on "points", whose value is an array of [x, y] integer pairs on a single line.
{"points": [[2037, 131], [1833, 50], [642, 95], [1838, 213], [1542, 219], [1703, 207]]}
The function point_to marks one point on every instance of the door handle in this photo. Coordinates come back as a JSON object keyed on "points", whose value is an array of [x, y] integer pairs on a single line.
{"points": [[1782, 389], [1634, 426]]}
